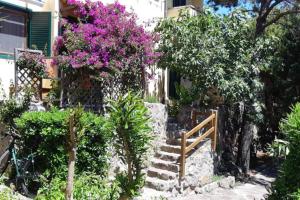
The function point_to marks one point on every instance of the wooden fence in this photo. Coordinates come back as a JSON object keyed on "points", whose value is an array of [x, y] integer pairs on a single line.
{"points": [[210, 125]]}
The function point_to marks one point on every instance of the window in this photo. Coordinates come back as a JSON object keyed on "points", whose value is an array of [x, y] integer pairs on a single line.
{"points": [[177, 3], [13, 30]]}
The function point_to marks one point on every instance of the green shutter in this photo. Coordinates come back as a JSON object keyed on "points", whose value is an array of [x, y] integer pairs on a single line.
{"points": [[40, 31]]}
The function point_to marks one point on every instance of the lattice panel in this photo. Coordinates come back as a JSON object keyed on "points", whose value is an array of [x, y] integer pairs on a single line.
{"points": [[82, 87], [83, 90], [26, 78]]}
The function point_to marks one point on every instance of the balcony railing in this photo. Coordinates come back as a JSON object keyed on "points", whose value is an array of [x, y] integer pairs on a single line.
{"points": [[174, 12]]}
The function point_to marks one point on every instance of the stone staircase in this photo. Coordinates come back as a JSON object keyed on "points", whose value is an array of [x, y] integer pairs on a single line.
{"points": [[163, 175]]}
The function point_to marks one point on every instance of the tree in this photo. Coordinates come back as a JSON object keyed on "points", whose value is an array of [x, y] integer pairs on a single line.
{"points": [[131, 140], [281, 78], [267, 12], [221, 53], [72, 140]]}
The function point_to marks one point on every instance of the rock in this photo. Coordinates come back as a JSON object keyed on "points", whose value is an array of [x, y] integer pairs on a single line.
{"points": [[174, 192], [200, 166], [210, 187], [227, 182], [199, 190]]}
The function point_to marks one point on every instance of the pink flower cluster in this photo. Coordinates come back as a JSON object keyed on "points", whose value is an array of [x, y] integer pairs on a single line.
{"points": [[104, 37]]}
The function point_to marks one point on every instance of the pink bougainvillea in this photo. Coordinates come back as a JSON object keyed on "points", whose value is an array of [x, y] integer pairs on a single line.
{"points": [[103, 37]]}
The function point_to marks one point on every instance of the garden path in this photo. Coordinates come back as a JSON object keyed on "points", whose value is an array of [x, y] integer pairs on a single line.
{"points": [[254, 189]]}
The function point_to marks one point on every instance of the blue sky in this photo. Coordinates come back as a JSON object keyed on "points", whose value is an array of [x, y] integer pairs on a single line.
{"points": [[224, 11]]}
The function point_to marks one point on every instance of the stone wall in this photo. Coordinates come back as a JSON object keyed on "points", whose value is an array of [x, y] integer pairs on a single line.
{"points": [[199, 166], [158, 117]]}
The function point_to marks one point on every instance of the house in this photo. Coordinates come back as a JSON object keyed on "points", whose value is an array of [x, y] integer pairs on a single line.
{"points": [[34, 24], [25, 24]]}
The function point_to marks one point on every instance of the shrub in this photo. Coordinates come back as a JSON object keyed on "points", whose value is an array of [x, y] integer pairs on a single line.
{"points": [[45, 134], [85, 187], [132, 139], [12, 108], [287, 185]]}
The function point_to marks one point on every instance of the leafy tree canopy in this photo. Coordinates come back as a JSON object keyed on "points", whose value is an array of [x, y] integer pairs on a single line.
{"points": [[216, 52], [267, 12]]}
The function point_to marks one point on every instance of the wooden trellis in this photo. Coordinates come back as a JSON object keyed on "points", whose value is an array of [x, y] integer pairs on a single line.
{"points": [[87, 89], [81, 89], [25, 78]]}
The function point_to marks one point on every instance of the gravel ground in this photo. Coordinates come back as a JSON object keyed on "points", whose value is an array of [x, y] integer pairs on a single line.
{"points": [[254, 189]]}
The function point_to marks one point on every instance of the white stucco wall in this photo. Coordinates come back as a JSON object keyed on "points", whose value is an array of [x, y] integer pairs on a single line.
{"points": [[7, 73]]}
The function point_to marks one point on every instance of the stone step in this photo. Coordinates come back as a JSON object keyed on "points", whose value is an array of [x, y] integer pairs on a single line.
{"points": [[170, 148], [158, 184], [161, 174], [165, 165], [152, 194], [174, 157]]}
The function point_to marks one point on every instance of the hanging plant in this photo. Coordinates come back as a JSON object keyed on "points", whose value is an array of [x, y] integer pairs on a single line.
{"points": [[33, 63]]}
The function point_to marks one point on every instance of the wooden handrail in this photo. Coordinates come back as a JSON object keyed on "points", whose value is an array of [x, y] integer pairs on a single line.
{"points": [[211, 120]]}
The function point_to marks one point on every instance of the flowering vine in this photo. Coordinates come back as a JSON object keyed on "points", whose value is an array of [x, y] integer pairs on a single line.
{"points": [[103, 39]]}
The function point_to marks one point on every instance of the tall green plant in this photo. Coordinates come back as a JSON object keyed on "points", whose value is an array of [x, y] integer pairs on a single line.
{"points": [[131, 140], [287, 185]]}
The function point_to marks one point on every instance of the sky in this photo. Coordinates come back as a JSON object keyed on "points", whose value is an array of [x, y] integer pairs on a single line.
{"points": [[224, 10]]}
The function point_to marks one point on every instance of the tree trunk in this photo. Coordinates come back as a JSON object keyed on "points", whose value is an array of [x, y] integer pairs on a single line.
{"points": [[246, 139], [72, 158]]}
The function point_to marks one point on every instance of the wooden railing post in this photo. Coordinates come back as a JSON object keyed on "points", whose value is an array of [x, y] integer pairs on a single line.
{"points": [[182, 158], [214, 134], [216, 130]]}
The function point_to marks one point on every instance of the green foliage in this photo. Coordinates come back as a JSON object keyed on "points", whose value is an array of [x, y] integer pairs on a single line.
{"points": [[216, 52], [186, 97], [151, 99], [131, 139], [281, 77], [173, 108], [13, 108], [86, 186], [287, 184], [279, 148], [7, 193], [45, 134]]}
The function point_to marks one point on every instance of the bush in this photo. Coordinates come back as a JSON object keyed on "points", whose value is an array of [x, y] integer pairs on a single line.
{"points": [[131, 139], [85, 187], [12, 108], [45, 134], [287, 185]]}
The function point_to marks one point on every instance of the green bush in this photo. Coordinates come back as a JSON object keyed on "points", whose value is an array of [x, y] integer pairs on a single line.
{"points": [[44, 133], [131, 139], [12, 108], [287, 185], [89, 187]]}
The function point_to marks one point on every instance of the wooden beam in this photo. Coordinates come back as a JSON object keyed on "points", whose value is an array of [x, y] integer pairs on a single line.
{"points": [[199, 126], [199, 139]]}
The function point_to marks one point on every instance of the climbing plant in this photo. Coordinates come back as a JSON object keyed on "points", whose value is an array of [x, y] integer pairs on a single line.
{"points": [[103, 44]]}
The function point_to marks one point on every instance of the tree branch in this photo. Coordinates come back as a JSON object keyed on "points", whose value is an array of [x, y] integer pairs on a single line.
{"points": [[275, 19]]}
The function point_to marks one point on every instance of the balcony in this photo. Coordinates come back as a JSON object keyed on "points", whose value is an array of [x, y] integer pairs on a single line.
{"points": [[36, 2], [174, 11]]}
